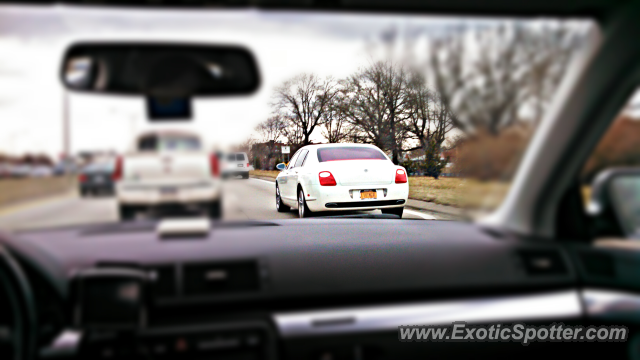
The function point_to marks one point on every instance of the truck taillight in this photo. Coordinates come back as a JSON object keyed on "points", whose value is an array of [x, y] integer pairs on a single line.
{"points": [[82, 177], [401, 176], [215, 169], [248, 164], [326, 179], [117, 170]]}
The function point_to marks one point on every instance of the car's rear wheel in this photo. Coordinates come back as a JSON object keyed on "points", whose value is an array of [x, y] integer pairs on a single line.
{"points": [[279, 205], [127, 212], [245, 175], [303, 209], [215, 209], [394, 211]]}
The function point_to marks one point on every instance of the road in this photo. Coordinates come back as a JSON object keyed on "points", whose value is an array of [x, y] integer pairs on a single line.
{"points": [[251, 199]]}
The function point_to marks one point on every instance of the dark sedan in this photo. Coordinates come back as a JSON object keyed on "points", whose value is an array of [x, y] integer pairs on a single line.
{"points": [[96, 179]]}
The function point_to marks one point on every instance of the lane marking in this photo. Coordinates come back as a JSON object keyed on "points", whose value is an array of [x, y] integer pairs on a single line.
{"points": [[422, 215], [267, 181]]}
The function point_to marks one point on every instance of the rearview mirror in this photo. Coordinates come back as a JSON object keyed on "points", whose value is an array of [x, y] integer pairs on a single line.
{"points": [[281, 166], [157, 70], [615, 201]]}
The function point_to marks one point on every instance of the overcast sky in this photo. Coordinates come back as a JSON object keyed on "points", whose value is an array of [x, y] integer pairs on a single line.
{"points": [[32, 40]]}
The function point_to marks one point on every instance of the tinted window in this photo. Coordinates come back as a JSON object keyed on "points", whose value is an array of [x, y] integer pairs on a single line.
{"points": [[293, 160], [349, 153], [149, 143], [172, 143], [175, 143], [231, 157], [99, 167], [240, 157], [300, 160], [304, 161]]}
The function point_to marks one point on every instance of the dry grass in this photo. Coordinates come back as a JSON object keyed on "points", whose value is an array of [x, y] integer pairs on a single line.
{"points": [[458, 192], [265, 173], [14, 191]]}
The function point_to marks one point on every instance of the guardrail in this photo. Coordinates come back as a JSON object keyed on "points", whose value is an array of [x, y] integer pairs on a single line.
{"points": [[15, 191]]}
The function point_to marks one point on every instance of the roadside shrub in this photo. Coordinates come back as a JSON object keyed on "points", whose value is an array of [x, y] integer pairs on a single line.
{"points": [[486, 156]]}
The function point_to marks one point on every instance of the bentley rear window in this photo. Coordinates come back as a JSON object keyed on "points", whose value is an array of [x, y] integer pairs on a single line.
{"points": [[349, 153]]}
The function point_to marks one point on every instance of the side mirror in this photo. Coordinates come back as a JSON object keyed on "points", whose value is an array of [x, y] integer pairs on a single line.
{"points": [[615, 202], [281, 166]]}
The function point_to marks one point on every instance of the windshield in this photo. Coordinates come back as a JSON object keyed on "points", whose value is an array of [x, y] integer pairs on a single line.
{"points": [[449, 102]]}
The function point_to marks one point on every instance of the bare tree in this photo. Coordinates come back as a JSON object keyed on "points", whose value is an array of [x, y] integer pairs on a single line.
{"points": [[335, 127], [303, 101], [247, 146], [429, 121], [272, 129], [550, 52], [294, 133], [489, 75], [373, 102]]}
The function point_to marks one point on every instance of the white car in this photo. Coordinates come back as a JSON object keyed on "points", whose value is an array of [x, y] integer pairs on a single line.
{"points": [[338, 177], [167, 168], [236, 163]]}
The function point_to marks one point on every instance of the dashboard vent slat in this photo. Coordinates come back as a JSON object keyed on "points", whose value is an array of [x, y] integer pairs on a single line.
{"points": [[541, 262], [221, 278], [164, 281], [163, 277]]}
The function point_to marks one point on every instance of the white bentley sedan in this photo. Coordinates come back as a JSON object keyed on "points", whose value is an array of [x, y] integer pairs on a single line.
{"points": [[338, 177]]}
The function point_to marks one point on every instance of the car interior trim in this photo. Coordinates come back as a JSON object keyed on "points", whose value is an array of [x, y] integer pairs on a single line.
{"points": [[554, 305], [611, 304]]}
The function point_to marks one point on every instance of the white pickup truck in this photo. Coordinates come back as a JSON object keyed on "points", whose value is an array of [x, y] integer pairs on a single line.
{"points": [[167, 168]]}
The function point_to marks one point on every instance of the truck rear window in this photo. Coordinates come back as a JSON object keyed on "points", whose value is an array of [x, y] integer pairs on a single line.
{"points": [[173, 143], [349, 153]]}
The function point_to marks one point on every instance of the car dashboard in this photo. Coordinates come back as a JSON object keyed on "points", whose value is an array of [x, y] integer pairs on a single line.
{"points": [[313, 289]]}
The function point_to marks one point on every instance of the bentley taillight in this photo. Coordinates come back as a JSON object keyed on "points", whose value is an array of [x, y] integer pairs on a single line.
{"points": [[401, 176], [326, 179]]}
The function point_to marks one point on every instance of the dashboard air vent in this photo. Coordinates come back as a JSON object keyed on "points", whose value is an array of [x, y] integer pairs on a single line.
{"points": [[164, 280], [539, 262], [221, 278], [163, 277], [598, 264]]}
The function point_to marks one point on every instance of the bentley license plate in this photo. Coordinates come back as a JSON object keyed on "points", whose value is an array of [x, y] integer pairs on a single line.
{"points": [[368, 194]]}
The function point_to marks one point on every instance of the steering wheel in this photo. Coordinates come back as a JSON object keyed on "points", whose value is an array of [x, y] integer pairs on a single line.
{"points": [[19, 309]]}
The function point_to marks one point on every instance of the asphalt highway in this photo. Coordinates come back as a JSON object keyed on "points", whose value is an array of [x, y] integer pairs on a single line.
{"points": [[251, 199]]}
